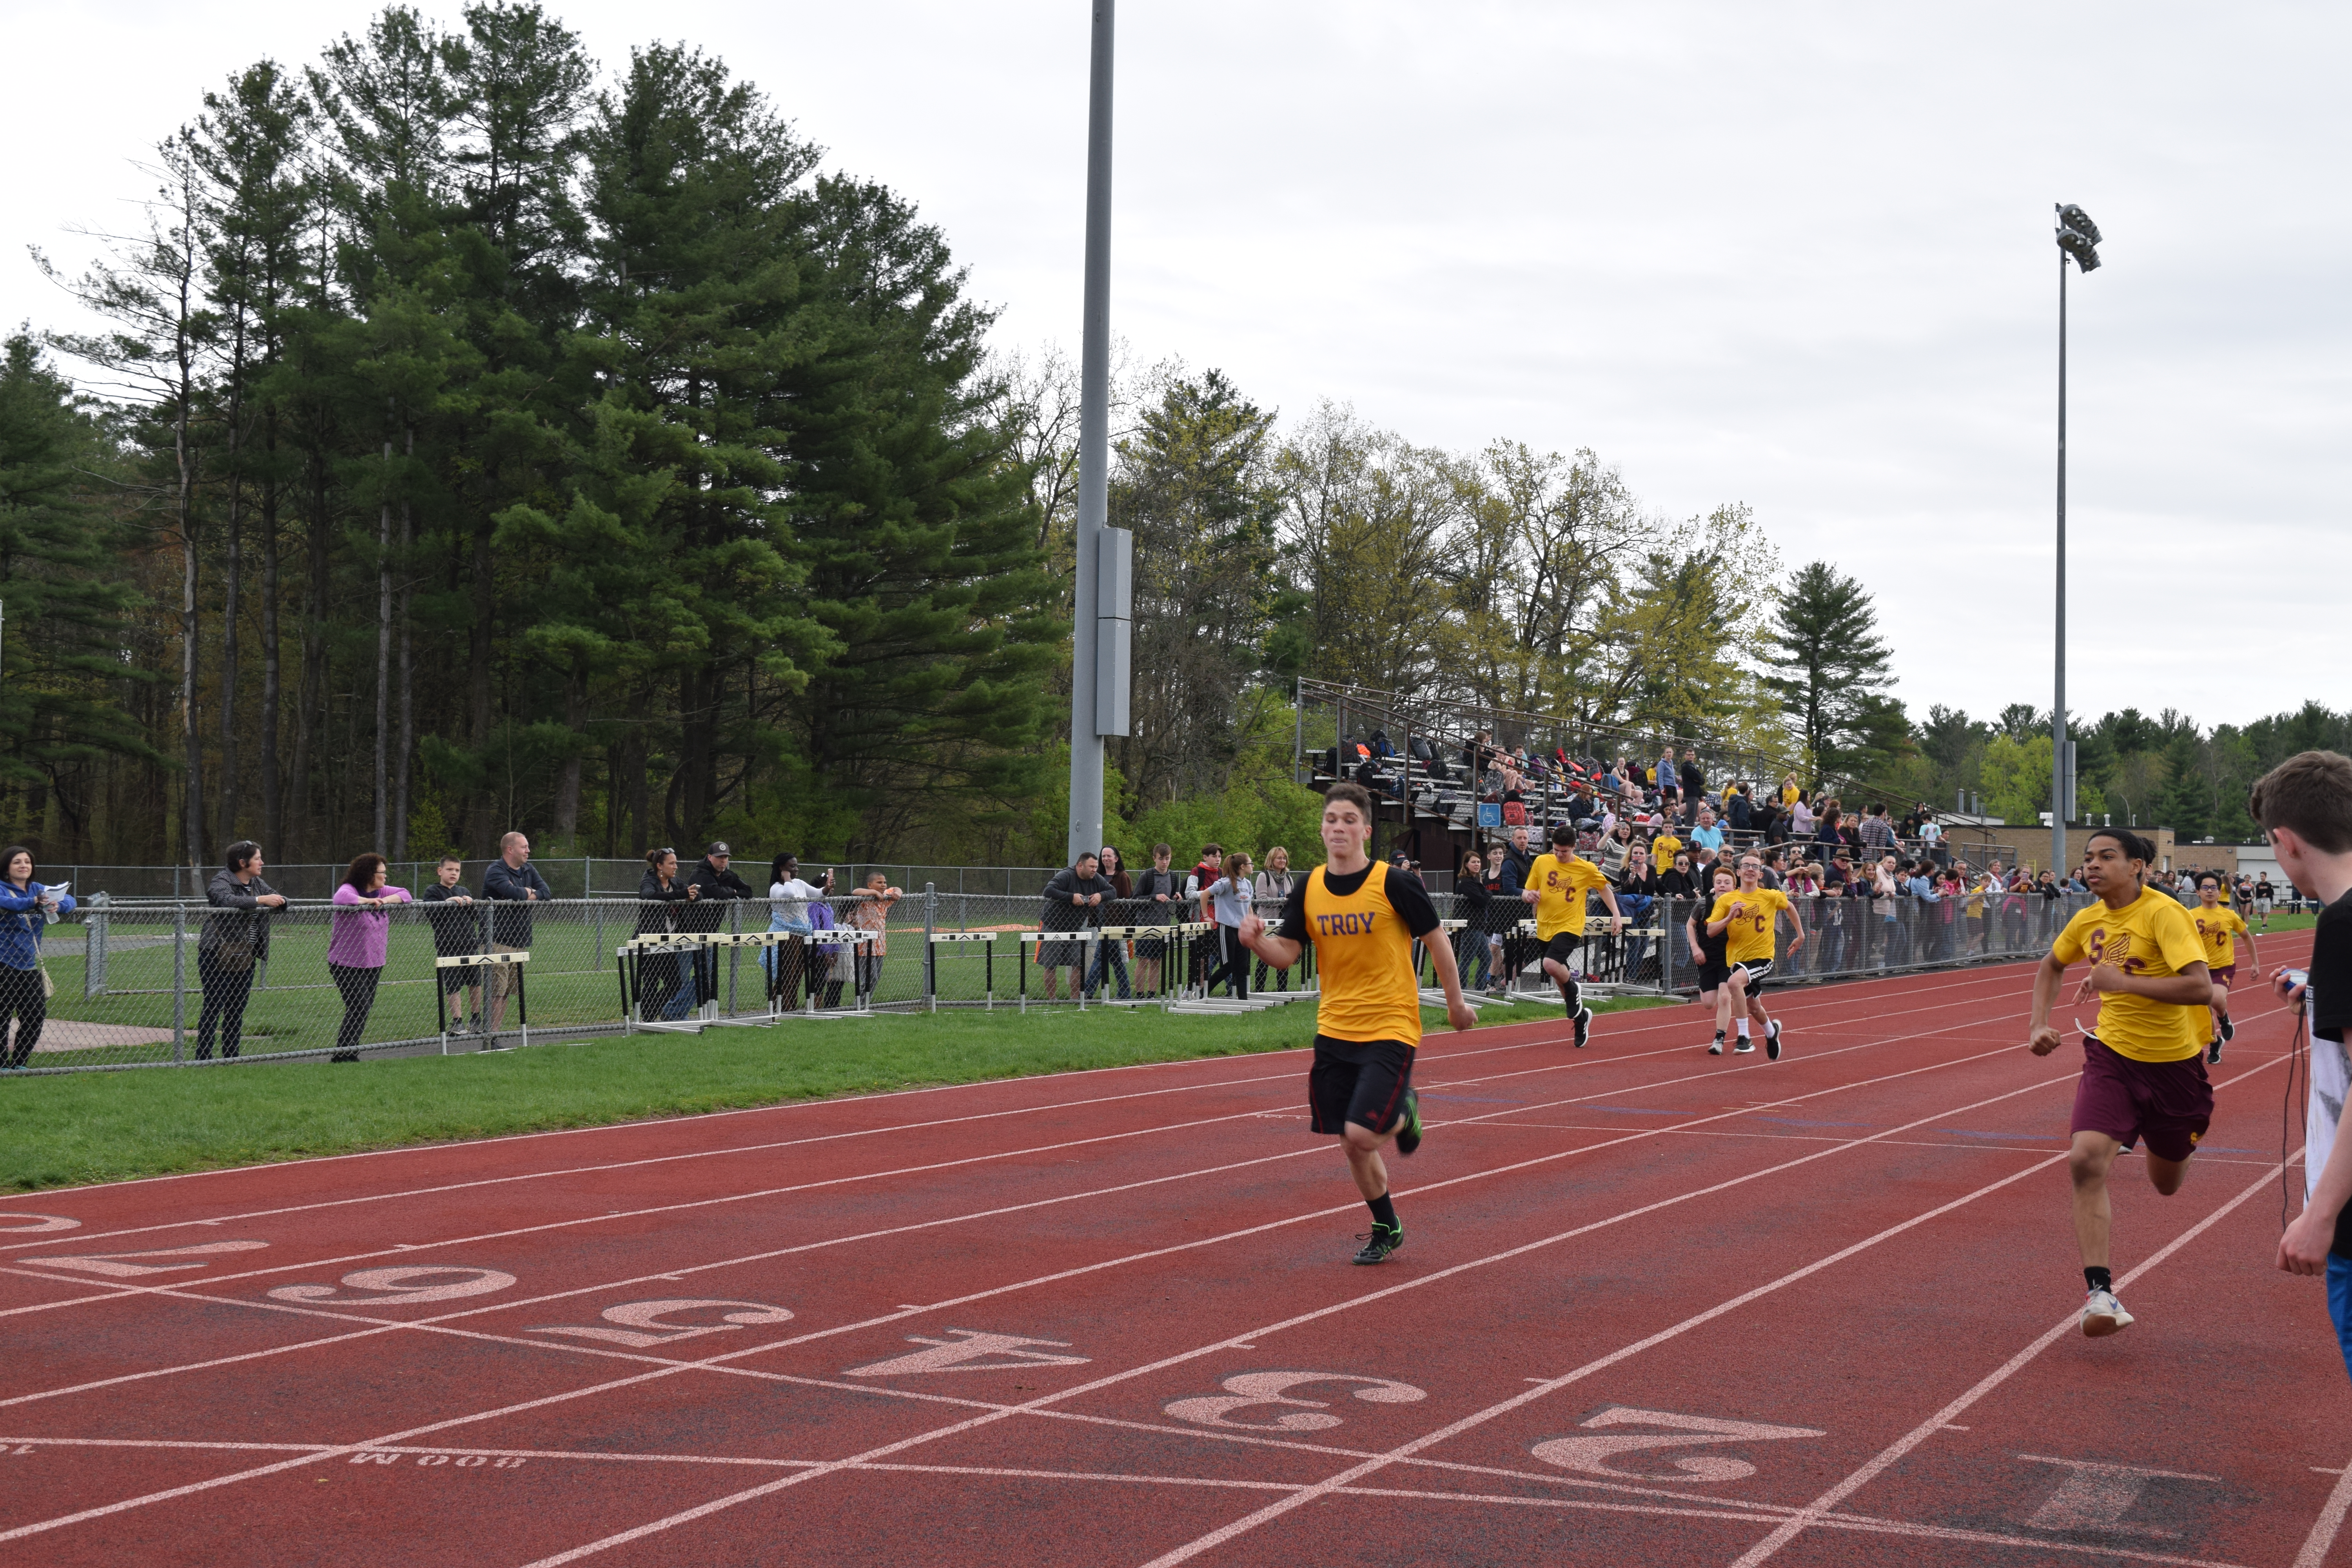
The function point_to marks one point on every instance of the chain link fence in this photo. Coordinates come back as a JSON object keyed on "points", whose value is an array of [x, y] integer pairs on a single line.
{"points": [[156, 981]]}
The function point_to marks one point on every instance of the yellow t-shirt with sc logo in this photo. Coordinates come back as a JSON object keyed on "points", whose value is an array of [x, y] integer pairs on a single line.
{"points": [[1752, 933], [2214, 929], [2151, 935], [1560, 886]]}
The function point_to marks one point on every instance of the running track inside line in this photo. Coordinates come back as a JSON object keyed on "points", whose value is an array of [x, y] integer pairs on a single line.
{"points": [[1654, 1307]]}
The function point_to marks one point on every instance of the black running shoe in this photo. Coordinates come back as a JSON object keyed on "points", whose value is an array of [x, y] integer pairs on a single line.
{"points": [[1772, 1042], [2213, 1050], [1583, 1021], [2229, 1029], [1379, 1242], [1409, 1124]]}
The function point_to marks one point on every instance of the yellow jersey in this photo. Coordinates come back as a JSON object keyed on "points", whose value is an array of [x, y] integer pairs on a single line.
{"points": [[1363, 950], [2214, 927], [2151, 935], [1754, 932], [1560, 886], [1663, 848]]}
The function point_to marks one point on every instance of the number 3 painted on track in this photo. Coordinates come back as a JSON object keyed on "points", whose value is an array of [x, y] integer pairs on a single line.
{"points": [[1250, 1388], [641, 1316], [1591, 1455], [415, 1282]]}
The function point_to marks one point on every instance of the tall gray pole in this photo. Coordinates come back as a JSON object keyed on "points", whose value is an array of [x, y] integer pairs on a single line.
{"points": [[2058, 860], [1094, 454]]}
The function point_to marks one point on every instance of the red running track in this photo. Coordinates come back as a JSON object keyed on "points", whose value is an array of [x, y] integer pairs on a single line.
{"points": [[1654, 1307]]}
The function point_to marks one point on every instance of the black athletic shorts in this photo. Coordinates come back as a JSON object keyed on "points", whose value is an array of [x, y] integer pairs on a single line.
{"points": [[1358, 1080], [1712, 975], [1562, 948], [1758, 970], [456, 977]]}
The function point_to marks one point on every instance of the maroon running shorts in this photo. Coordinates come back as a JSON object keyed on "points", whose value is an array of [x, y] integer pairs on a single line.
{"points": [[2170, 1104], [2223, 976]]}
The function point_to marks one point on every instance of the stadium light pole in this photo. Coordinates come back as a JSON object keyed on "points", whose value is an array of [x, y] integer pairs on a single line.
{"points": [[1099, 633], [2078, 236]]}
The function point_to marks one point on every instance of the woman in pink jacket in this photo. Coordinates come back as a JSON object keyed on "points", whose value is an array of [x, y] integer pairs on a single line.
{"points": [[355, 953]]}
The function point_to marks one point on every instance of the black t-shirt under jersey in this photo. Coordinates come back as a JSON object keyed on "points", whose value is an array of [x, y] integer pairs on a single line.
{"points": [[1403, 890], [2330, 1004]]}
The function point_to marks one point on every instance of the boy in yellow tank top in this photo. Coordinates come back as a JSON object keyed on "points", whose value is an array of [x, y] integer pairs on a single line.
{"points": [[1363, 920], [1557, 884], [2218, 927], [2143, 1079]]}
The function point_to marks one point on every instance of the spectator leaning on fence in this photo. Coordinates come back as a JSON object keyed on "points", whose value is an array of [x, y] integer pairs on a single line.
{"points": [[510, 879], [1073, 901], [456, 931], [26, 907], [355, 952], [869, 911], [715, 886], [236, 937], [1111, 953], [660, 898]]}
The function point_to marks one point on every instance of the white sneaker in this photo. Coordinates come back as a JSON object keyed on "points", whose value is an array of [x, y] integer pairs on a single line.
{"points": [[2104, 1315], [1716, 1048], [1746, 1047]]}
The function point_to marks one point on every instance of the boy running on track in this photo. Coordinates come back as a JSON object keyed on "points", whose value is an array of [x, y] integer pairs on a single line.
{"points": [[2215, 922], [1748, 917], [1557, 884], [1706, 951], [1363, 920], [2142, 1072]]}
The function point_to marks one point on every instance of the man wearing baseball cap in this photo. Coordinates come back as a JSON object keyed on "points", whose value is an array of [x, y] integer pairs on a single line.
{"points": [[711, 885]]}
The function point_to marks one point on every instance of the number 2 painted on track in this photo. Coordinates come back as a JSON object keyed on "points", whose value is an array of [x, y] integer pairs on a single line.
{"points": [[1591, 1455], [643, 1322], [413, 1282], [1271, 1388]]}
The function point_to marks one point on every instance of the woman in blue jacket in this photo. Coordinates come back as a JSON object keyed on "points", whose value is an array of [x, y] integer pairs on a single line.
{"points": [[25, 906]]}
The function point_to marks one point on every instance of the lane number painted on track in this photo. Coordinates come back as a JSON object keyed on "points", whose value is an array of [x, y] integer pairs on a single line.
{"points": [[36, 1224], [969, 1351], [2095, 1496], [1593, 1455], [1252, 1389], [128, 1265], [643, 1324], [398, 1287]]}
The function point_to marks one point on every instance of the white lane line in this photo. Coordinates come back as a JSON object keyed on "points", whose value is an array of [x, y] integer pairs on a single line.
{"points": [[2330, 1521], [1436, 1055], [1356, 1303], [1251, 1336], [1796, 1524], [1347, 1477], [25, 1267], [1633, 1136]]}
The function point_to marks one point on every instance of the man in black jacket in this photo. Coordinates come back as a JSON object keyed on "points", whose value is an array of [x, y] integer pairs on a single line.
{"points": [[510, 879], [712, 885]]}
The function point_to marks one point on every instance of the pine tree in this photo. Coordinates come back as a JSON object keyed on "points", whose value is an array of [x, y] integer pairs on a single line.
{"points": [[1831, 666]]}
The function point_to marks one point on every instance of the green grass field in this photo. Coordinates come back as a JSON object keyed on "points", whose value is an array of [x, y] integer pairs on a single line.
{"points": [[72, 1128]]}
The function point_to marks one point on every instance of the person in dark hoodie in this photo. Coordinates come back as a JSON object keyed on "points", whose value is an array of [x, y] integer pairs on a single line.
{"points": [[1073, 901], [235, 938], [714, 886]]}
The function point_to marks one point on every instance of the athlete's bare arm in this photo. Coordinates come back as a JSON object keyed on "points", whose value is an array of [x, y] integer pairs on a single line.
{"points": [[2042, 1037], [1279, 951], [2253, 957], [1616, 917], [1797, 920], [2192, 987], [1737, 908], [1458, 1012]]}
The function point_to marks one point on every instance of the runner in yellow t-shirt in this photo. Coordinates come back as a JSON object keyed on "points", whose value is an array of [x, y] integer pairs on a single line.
{"points": [[2217, 923], [1556, 886], [2142, 1078], [1748, 917]]}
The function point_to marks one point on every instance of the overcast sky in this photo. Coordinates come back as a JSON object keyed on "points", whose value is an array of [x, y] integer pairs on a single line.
{"points": [[1797, 256]]}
